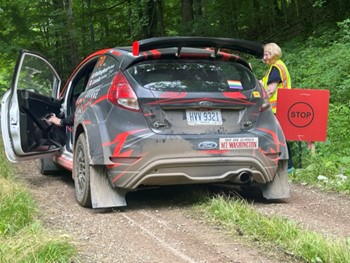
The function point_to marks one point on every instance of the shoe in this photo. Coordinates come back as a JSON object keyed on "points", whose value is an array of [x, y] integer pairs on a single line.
{"points": [[290, 170]]}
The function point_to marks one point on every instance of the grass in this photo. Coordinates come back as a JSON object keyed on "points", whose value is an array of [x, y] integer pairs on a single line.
{"points": [[17, 209], [22, 237], [331, 173], [279, 233], [33, 245]]}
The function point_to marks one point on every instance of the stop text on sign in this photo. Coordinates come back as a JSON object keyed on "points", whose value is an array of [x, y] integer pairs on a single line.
{"points": [[301, 114]]}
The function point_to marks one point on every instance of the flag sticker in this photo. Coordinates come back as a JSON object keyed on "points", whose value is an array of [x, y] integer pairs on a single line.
{"points": [[234, 84]]}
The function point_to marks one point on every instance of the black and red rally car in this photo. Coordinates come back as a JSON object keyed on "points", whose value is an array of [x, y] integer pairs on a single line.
{"points": [[164, 111]]}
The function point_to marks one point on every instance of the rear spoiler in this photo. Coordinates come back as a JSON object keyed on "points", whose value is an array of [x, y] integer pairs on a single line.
{"points": [[249, 47]]}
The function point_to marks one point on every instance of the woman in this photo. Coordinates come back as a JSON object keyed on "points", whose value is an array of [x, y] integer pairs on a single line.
{"points": [[277, 77]]}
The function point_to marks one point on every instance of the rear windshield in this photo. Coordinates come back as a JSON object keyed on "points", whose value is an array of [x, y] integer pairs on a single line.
{"points": [[193, 76]]}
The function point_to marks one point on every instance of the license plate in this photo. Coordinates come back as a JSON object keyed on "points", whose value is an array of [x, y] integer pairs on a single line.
{"points": [[205, 117]]}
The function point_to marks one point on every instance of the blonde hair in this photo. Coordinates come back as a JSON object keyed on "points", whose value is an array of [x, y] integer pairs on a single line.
{"points": [[274, 49]]}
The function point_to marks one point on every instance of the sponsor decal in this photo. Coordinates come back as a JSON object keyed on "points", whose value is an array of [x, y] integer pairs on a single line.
{"points": [[238, 143], [235, 95], [256, 94], [207, 145], [234, 84], [92, 94], [101, 74], [101, 61]]}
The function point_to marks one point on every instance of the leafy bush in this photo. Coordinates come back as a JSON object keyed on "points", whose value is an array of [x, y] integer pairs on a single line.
{"points": [[338, 143]]}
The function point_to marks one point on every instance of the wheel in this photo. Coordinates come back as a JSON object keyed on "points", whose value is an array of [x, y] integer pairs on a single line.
{"points": [[48, 167], [81, 172]]}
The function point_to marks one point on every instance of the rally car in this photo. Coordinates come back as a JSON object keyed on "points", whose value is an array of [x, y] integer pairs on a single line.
{"points": [[163, 111]]}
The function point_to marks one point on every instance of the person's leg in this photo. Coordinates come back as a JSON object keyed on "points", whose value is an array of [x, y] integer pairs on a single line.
{"points": [[290, 160]]}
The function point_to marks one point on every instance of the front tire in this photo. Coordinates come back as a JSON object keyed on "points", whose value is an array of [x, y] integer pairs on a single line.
{"points": [[81, 172]]}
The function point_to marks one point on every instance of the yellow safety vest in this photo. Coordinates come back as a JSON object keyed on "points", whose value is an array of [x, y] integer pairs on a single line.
{"points": [[285, 84]]}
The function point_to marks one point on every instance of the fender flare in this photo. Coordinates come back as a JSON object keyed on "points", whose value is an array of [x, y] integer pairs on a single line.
{"points": [[93, 137]]}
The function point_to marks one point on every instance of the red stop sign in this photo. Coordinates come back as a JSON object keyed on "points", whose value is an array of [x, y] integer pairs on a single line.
{"points": [[303, 114]]}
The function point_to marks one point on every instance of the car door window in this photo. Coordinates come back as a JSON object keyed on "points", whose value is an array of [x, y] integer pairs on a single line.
{"points": [[104, 70], [36, 75], [77, 85]]}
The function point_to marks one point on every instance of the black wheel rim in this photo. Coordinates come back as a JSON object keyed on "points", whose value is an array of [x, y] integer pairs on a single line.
{"points": [[80, 170]]}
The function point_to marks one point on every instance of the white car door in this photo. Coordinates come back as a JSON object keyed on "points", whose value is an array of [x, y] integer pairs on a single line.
{"points": [[31, 97]]}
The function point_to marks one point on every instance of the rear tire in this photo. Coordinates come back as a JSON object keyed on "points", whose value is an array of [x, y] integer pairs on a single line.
{"points": [[81, 172]]}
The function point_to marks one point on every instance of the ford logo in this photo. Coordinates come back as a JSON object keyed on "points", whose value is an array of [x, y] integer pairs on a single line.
{"points": [[205, 103], [207, 145]]}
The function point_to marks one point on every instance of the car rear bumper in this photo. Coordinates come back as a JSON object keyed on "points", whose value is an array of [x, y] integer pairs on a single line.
{"points": [[195, 170]]}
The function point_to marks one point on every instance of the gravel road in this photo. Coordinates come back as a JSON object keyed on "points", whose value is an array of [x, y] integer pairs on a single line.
{"points": [[157, 228]]}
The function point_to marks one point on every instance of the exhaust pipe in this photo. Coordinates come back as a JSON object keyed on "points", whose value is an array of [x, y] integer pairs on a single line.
{"points": [[242, 178]]}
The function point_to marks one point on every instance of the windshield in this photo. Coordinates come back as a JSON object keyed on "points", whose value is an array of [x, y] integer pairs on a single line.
{"points": [[193, 76]]}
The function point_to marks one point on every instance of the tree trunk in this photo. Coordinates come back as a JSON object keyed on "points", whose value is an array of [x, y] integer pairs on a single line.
{"points": [[149, 18], [187, 16], [160, 17], [72, 51], [91, 26]]}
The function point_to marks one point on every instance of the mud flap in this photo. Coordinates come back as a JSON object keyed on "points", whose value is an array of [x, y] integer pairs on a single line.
{"points": [[279, 187], [102, 194]]}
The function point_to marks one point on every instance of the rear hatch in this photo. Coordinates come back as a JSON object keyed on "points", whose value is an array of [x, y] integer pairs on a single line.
{"points": [[196, 96]]}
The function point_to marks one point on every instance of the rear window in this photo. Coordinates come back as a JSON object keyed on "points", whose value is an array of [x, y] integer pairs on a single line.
{"points": [[193, 76]]}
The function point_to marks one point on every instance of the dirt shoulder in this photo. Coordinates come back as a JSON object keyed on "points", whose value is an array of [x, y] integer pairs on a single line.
{"points": [[156, 228]]}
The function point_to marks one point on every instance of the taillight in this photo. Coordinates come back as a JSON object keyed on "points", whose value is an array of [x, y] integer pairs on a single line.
{"points": [[265, 99], [121, 94]]}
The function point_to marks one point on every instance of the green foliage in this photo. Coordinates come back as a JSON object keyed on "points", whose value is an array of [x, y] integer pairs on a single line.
{"points": [[6, 170], [318, 67], [17, 209], [271, 231], [51, 251], [322, 62], [337, 133], [329, 167], [344, 30], [327, 172], [22, 238], [32, 245]]}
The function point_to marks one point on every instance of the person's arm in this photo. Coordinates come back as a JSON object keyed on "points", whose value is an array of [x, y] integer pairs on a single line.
{"points": [[53, 119], [273, 81], [271, 89], [68, 121]]}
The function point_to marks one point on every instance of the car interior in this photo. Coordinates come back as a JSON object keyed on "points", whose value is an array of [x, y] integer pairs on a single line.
{"points": [[36, 133]]}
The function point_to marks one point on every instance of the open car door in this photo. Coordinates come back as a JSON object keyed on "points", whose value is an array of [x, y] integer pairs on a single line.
{"points": [[31, 97]]}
